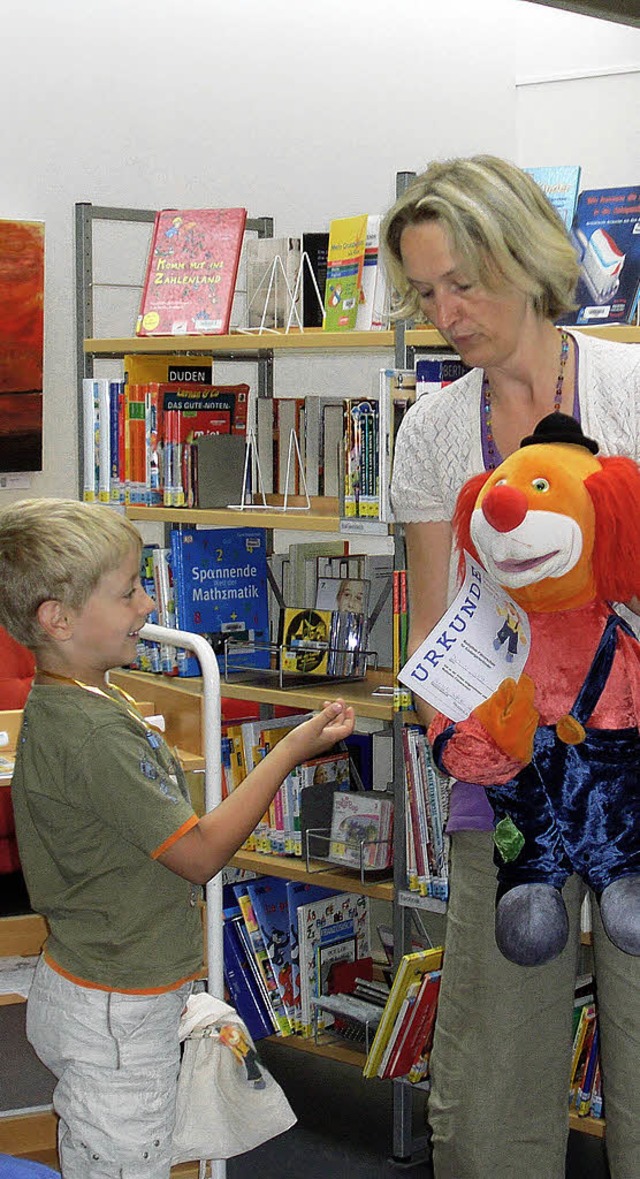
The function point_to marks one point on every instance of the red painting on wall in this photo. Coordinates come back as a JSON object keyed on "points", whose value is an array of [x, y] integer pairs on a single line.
{"points": [[21, 344]]}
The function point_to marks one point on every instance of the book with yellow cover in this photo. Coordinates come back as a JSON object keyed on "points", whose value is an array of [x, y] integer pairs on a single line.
{"points": [[345, 261], [411, 969]]}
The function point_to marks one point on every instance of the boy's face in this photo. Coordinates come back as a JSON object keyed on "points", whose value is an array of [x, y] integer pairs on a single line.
{"points": [[105, 631]]}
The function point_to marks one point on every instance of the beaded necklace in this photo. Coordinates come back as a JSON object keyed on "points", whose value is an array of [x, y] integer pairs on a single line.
{"points": [[493, 457]]}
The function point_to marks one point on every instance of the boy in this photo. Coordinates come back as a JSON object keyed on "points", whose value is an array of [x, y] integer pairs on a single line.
{"points": [[111, 849]]}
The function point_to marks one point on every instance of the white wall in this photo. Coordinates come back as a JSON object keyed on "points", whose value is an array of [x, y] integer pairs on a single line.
{"points": [[304, 111], [578, 95]]}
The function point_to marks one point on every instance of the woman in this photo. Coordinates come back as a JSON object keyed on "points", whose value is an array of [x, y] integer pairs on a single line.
{"points": [[475, 247]]}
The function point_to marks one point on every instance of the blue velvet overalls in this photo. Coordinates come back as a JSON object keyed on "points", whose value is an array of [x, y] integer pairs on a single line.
{"points": [[577, 806]]}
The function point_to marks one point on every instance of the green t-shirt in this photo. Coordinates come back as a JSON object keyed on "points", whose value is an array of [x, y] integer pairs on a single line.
{"points": [[95, 793]]}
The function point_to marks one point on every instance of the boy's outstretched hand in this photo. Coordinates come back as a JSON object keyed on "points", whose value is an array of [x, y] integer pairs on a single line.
{"points": [[315, 736]]}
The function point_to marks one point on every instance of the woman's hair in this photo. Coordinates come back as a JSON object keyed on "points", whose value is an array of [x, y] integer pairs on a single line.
{"points": [[55, 549], [500, 226]]}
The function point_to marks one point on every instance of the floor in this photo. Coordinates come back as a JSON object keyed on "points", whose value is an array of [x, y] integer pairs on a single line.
{"points": [[344, 1128]]}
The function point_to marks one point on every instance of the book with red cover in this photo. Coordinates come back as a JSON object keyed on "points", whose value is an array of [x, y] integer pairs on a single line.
{"points": [[191, 272], [417, 1033]]}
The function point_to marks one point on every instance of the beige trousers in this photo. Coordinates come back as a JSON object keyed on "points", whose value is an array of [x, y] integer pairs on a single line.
{"points": [[502, 1049], [116, 1058]]}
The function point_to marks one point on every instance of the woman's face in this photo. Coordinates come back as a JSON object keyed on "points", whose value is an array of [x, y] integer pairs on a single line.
{"points": [[481, 325]]}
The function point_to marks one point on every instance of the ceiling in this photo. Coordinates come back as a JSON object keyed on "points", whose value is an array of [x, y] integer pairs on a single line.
{"points": [[626, 12]]}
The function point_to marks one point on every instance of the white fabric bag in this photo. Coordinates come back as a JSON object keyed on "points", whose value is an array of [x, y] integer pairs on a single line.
{"points": [[227, 1101]]}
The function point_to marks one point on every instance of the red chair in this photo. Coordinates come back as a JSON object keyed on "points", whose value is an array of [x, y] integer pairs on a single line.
{"points": [[17, 668]]}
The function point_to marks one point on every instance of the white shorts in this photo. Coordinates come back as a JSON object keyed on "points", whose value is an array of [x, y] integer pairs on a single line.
{"points": [[116, 1057]]}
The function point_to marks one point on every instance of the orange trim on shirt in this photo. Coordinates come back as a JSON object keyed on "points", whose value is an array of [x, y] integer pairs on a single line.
{"points": [[190, 823], [91, 986]]}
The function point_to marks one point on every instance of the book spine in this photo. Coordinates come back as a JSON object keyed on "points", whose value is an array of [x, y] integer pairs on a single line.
{"points": [[104, 438], [90, 433], [116, 431]]}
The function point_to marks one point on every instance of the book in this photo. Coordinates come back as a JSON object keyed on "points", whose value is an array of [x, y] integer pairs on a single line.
{"points": [[343, 594], [410, 970], [560, 185], [345, 261], [413, 1042], [361, 458], [173, 369], [186, 413], [606, 235], [398, 391], [373, 307], [300, 892], [220, 587], [245, 997], [362, 830], [315, 250], [371, 754], [340, 922], [272, 269], [312, 785], [271, 909], [261, 955], [437, 370], [191, 272]]}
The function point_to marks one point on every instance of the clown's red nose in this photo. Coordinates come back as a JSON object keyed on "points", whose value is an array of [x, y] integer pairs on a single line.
{"points": [[504, 507]]}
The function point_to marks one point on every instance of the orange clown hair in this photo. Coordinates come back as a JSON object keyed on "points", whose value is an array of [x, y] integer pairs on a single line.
{"points": [[615, 494]]}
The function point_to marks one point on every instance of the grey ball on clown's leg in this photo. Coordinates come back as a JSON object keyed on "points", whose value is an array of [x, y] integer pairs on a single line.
{"points": [[620, 912], [531, 924]]}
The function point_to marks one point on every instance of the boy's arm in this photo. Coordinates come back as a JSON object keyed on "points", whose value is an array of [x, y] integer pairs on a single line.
{"points": [[204, 850]]}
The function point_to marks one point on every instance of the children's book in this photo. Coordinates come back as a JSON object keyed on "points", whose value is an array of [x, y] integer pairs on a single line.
{"points": [[413, 1040], [606, 235], [345, 261], [361, 458], [244, 993], [362, 830], [271, 909], [340, 922], [191, 272], [261, 956], [560, 186], [220, 586], [300, 892], [411, 969]]}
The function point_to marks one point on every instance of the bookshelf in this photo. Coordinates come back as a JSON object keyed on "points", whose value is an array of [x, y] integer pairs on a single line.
{"points": [[179, 699]]}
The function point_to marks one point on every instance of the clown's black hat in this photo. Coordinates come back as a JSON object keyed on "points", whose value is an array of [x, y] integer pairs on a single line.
{"points": [[559, 427]]}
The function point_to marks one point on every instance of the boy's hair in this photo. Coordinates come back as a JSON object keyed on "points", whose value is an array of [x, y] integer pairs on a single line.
{"points": [[500, 226], [55, 549]]}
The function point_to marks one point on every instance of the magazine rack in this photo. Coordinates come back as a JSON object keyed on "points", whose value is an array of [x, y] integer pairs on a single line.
{"points": [[276, 675], [318, 842]]}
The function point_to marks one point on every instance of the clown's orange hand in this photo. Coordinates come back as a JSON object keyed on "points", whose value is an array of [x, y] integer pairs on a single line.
{"points": [[510, 718]]}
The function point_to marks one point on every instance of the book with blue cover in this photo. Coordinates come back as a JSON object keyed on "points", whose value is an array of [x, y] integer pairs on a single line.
{"points": [[271, 909], [560, 185], [244, 992], [606, 235], [220, 583], [300, 892]]}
